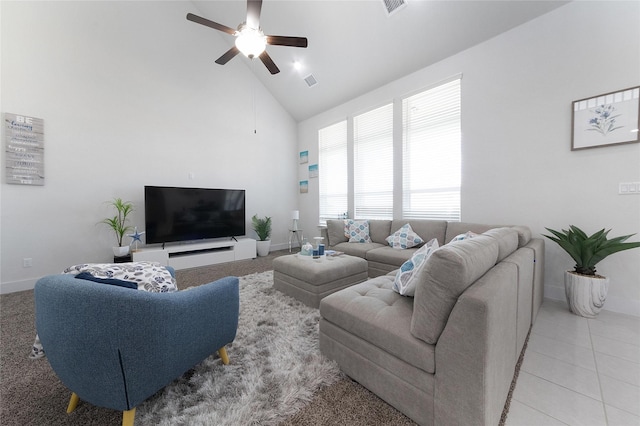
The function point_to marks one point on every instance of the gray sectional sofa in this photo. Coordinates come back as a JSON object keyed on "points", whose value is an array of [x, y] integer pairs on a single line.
{"points": [[446, 356]]}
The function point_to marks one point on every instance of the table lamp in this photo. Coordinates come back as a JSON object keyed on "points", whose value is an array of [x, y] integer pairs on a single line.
{"points": [[295, 215]]}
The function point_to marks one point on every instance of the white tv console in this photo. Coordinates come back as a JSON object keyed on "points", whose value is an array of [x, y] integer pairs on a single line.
{"points": [[191, 255]]}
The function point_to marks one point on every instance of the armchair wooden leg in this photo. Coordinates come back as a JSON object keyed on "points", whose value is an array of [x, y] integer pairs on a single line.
{"points": [[73, 402], [223, 355], [128, 417]]}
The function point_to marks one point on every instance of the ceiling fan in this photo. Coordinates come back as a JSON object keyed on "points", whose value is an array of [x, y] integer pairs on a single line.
{"points": [[250, 40]]}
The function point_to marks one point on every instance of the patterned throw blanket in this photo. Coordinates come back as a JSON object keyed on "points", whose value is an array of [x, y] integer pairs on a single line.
{"points": [[148, 276]]}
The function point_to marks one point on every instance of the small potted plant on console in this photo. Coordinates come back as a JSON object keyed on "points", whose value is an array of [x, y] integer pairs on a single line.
{"points": [[118, 224], [585, 290], [262, 226]]}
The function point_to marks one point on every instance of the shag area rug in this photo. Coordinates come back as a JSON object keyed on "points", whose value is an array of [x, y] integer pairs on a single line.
{"points": [[275, 367]]}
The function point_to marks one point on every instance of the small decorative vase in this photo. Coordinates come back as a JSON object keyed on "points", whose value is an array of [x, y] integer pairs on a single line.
{"points": [[120, 251], [585, 294]]}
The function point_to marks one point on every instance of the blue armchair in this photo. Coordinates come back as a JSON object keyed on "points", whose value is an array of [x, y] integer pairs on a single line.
{"points": [[114, 347]]}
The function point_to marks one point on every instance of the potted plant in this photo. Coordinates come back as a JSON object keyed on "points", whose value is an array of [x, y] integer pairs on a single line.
{"points": [[118, 224], [585, 290], [262, 226]]}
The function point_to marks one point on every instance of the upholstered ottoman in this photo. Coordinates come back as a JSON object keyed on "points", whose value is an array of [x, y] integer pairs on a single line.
{"points": [[309, 280]]}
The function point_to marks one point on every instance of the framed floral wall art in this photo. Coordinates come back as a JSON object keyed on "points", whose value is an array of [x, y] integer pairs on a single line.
{"points": [[608, 119]]}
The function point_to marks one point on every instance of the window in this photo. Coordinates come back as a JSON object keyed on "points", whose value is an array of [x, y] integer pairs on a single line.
{"points": [[425, 182], [332, 162], [431, 153], [373, 164]]}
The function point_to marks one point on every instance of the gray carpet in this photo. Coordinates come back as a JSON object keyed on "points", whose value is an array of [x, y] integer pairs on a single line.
{"points": [[31, 394]]}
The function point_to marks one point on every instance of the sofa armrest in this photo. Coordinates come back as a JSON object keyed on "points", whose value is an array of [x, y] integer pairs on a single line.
{"points": [[475, 354]]}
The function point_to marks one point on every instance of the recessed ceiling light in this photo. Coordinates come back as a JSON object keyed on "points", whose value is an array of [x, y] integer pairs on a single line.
{"points": [[297, 65]]}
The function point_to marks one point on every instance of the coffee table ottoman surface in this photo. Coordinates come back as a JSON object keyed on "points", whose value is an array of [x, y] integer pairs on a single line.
{"points": [[309, 280]]}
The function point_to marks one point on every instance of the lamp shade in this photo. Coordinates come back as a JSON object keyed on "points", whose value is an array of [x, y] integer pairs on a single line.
{"points": [[295, 214]]}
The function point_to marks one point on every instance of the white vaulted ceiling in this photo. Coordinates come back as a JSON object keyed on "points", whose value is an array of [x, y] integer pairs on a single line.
{"points": [[356, 46]]}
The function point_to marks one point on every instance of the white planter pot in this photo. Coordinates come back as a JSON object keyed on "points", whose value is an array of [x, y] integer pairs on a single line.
{"points": [[263, 247], [585, 294], [120, 251]]}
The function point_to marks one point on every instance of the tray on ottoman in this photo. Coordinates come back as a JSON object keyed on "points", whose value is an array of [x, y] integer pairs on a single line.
{"points": [[309, 280]]}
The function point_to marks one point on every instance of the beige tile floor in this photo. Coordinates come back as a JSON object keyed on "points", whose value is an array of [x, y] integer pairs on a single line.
{"points": [[579, 371]]}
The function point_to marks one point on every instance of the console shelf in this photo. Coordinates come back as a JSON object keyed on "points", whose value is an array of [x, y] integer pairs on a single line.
{"points": [[183, 256]]}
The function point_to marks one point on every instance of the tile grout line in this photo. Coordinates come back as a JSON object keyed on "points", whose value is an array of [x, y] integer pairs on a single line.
{"points": [[539, 411], [566, 343], [595, 361]]}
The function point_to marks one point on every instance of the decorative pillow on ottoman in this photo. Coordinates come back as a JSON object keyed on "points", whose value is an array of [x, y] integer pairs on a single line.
{"points": [[404, 238], [405, 281], [357, 231]]}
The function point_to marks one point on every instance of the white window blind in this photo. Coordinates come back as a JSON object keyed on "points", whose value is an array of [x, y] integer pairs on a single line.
{"points": [[332, 162], [373, 164], [431, 154]]}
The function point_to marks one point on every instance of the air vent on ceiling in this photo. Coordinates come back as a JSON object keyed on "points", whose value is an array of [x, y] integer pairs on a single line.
{"points": [[310, 80], [392, 6]]}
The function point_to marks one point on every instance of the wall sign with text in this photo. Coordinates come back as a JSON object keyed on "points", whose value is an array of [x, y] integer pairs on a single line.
{"points": [[24, 147]]}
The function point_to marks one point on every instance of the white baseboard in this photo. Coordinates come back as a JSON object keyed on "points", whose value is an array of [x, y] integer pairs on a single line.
{"points": [[613, 304], [15, 286]]}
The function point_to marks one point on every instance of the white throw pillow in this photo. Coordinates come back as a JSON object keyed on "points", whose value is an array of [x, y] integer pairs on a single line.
{"points": [[404, 238], [462, 237], [405, 281], [357, 231]]}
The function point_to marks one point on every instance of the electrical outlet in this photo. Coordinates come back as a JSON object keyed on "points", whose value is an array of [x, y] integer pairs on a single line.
{"points": [[629, 188], [27, 262]]}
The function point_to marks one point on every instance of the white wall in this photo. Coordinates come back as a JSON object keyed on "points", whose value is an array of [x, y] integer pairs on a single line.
{"points": [[518, 168], [130, 96]]}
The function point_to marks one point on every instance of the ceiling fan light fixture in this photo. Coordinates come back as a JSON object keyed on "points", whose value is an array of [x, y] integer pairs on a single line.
{"points": [[251, 41]]}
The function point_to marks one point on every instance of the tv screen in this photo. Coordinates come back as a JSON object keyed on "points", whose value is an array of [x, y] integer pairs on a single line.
{"points": [[187, 214]]}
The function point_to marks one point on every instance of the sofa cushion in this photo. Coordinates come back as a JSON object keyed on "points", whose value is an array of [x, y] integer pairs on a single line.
{"points": [[361, 250], [357, 231], [405, 279], [390, 256], [427, 229], [379, 230], [457, 228], [374, 312], [524, 235], [507, 240], [404, 238], [335, 232], [446, 275]]}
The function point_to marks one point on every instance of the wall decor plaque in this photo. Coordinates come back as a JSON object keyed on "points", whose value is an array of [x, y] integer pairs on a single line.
{"points": [[607, 119], [24, 148]]}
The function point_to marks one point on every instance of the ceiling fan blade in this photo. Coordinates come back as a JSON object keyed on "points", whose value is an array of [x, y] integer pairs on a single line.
{"points": [[227, 56], [253, 13], [268, 62], [287, 41], [203, 21]]}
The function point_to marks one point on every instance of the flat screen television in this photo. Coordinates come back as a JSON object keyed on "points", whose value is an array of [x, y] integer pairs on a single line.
{"points": [[186, 214]]}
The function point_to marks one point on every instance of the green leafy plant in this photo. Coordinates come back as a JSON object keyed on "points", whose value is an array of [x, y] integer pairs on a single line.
{"points": [[262, 227], [587, 251], [119, 222]]}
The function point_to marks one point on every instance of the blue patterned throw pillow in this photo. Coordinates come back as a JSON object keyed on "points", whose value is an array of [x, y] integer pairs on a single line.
{"points": [[404, 238], [405, 281], [462, 237], [357, 231]]}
